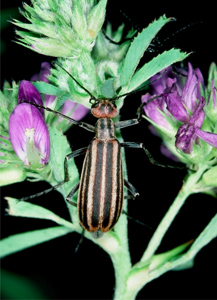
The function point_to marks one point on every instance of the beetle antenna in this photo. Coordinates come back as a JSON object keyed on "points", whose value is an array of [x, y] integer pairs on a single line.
{"points": [[180, 30], [81, 86]]}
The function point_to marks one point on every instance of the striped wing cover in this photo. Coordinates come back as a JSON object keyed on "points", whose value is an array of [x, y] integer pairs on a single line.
{"points": [[100, 196]]}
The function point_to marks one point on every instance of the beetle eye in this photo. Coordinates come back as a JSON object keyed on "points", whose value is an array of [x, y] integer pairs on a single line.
{"points": [[113, 103], [94, 103]]}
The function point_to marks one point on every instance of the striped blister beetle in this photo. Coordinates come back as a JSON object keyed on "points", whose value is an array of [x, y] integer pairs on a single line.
{"points": [[100, 195]]}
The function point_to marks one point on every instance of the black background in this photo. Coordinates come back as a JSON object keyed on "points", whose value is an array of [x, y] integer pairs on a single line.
{"points": [[88, 274]]}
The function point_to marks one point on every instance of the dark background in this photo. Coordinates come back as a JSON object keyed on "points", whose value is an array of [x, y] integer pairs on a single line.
{"points": [[88, 274]]}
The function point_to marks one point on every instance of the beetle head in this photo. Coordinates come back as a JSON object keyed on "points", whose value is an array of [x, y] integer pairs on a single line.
{"points": [[104, 108]]}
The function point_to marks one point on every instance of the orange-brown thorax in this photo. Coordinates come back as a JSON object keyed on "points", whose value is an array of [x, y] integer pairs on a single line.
{"points": [[104, 109]]}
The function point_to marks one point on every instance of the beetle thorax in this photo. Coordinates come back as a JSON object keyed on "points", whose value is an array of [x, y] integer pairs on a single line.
{"points": [[105, 129]]}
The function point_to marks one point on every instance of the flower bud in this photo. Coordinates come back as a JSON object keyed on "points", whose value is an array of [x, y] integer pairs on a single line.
{"points": [[29, 136], [28, 92], [27, 128], [61, 28], [42, 76]]}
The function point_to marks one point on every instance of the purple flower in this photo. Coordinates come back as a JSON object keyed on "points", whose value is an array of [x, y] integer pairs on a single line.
{"points": [[156, 110], [72, 109], [27, 129], [28, 92], [44, 72], [178, 106], [187, 132], [42, 76]]}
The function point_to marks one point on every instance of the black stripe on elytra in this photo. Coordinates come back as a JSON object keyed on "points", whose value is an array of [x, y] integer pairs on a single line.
{"points": [[109, 183], [84, 187], [119, 198], [97, 184]]}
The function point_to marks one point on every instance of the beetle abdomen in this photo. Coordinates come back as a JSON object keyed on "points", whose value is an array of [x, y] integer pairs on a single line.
{"points": [[100, 196]]}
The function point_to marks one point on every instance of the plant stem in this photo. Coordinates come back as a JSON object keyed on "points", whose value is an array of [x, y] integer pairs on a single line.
{"points": [[122, 264], [186, 190], [121, 259]]}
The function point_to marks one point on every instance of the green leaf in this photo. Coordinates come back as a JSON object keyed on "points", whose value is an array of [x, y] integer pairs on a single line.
{"points": [[107, 88], [96, 17], [47, 88], [142, 273], [21, 241], [210, 177], [59, 149], [138, 47], [209, 233], [186, 260], [9, 175], [154, 66], [79, 22], [26, 209], [188, 265]]}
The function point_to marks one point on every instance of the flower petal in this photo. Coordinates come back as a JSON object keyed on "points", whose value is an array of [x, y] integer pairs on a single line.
{"points": [[175, 106], [158, 81], [184, 138], [24, 119], [189, 94], [166, 152], [28, 92], [42, 76], [198, 116], [74, 110], [200, 81], [208, 137], [152, 110], [44, 72]]}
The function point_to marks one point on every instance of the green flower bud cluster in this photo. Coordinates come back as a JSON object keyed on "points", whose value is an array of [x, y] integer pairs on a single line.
{"points": [[61, 28]]}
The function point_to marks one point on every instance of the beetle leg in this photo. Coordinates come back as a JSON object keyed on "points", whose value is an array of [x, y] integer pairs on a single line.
{"points": [[132, 190], [66, 175], [150, 157], [131, 122], [126, 123], [67, 157], [73, 191]]}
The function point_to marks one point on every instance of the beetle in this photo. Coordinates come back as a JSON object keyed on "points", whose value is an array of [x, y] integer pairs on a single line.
{"points": [[100, 195]]}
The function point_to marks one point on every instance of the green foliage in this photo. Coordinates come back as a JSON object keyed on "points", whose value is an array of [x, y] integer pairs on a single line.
{"points": [[21, 241], [137, 49], [154, 66], [61, 29]]}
